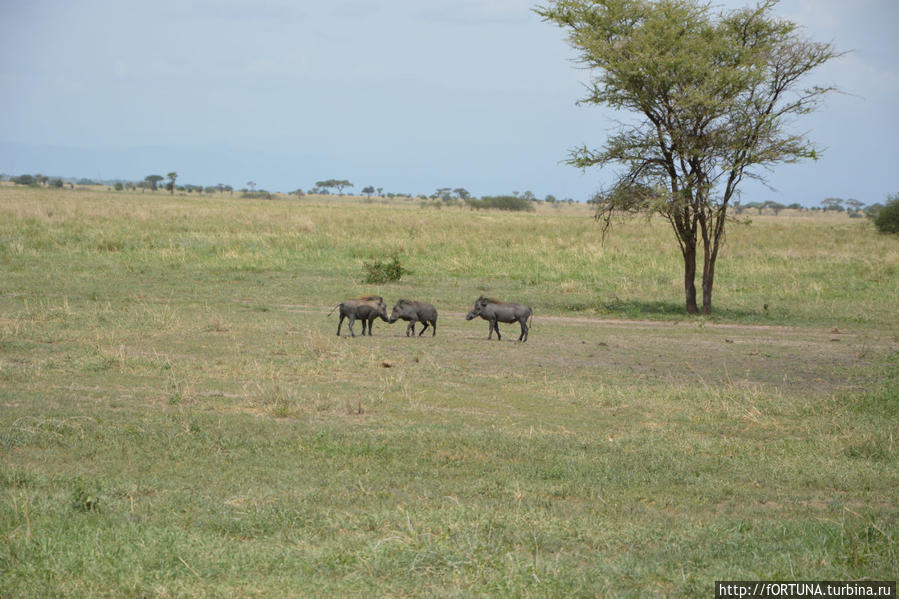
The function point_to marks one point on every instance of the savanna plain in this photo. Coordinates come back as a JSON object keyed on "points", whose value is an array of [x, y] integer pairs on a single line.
{"points": [[179, 419]]}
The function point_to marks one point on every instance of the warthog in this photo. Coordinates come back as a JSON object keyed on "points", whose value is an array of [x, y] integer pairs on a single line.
{"points": [[365, 308], [494, 311], [415, 312]]}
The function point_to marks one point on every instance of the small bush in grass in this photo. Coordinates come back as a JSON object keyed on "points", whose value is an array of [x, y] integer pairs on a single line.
{"points": [[887, 219], [385, 272], [85, 497]]}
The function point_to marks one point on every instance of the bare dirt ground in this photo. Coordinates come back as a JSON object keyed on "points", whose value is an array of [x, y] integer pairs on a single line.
{"points": [[789, 359]]}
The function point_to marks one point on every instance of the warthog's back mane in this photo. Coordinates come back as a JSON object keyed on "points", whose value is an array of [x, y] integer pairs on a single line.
{"points": [[371, 298], [490, 300]]}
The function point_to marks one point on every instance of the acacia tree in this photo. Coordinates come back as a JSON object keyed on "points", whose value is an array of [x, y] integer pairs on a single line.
{"points": [[338, 183], [171, 184], [462, 193], [854, 205], [835, 204], [712, 93], [153, 181]]}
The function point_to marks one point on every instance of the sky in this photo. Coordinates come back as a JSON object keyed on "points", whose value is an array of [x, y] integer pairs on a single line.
{"points": [[403, 95]]}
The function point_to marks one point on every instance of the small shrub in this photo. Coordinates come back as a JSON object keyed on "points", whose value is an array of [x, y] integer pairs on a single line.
{"points": [[85, 498], [887, 219], [385, 272]]}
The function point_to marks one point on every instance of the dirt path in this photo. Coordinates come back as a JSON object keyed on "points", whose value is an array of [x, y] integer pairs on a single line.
{"points": [[622, 322], [797, 359]]}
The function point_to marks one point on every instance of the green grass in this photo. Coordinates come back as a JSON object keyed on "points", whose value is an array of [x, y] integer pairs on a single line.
{"points": [[177, 417], [807, 270]]}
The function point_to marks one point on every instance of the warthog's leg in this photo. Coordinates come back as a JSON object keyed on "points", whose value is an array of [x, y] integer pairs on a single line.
{"points": [[434, 328], [410, 330], [494, 326], [524, 330], [366, 323], [351, 319], [424, 328], [340, 322]]}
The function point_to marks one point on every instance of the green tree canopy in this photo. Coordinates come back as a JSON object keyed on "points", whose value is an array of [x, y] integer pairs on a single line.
{"points": [[153, 181], [24, 180], [776, 207], [887, 217], [835, 204], [462, 193], [854, 205], [712, 95], [337, 183]]}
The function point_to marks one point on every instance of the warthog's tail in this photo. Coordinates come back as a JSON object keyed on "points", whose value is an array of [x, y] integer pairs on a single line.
{"points": [[332, 309], [531, 320]]}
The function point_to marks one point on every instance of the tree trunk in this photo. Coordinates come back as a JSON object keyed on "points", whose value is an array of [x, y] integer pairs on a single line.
{"points": [[708, 279], [710, 257], [690, 279]]}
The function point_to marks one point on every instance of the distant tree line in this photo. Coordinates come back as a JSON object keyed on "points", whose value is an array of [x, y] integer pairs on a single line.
{"points": [[444, 196], [508, 203], [150, 182], [852, 207], [516, 201], [441, 197], [38, 181]]}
